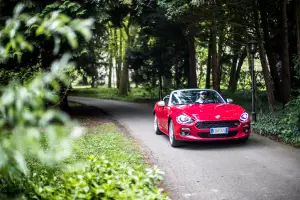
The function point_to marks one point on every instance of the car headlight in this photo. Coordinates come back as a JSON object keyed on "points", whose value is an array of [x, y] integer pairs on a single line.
{"points": [[184, 119], [244, 117]]}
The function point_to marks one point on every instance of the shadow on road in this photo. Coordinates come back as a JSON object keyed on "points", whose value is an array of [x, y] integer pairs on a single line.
{"points": [[253, 142]]}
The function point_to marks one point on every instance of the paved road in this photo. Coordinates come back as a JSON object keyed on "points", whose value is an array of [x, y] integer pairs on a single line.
{"points": [[259, 169]]}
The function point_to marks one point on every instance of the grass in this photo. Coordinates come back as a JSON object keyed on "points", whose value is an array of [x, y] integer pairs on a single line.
{"points": [[121, 152], [106, 140], [135, 95]]}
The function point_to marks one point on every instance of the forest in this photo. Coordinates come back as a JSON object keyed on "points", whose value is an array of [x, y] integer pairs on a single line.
{"points": [[123, 46]]}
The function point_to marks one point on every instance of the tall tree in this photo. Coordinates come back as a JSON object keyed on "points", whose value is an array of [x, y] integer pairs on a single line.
{"points": [[192, 77], [215, 65], [120, 58], [233, 70], [124, 77], [264, 63], [263, 5], [297, 16], [238, 70], [208, 68], [116, 55], [285, 54], [111, 55]]}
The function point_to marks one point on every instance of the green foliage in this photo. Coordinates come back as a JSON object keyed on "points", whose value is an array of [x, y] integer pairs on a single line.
{"points": [[24, 121], [102, 179], [127, 177], [29, 131], [22, 75], [54, 24], [284, 124], [68, 7]]}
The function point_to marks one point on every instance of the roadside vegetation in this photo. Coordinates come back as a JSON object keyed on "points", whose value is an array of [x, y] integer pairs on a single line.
{"points": [[103, 92], [105, 164], [45, 153]]}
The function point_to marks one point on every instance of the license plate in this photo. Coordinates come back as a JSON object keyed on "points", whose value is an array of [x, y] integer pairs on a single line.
{"points": [[219, 131]]}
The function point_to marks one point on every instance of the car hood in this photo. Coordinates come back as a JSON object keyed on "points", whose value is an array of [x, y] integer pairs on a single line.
{"points": [[212, 111]]}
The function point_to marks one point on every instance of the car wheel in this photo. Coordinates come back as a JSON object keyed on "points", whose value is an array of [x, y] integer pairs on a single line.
{"points": [[173, 141], [244, 140], [156, 129]]}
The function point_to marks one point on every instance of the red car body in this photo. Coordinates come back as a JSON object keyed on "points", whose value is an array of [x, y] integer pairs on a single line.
{"points": [[207, 122]]}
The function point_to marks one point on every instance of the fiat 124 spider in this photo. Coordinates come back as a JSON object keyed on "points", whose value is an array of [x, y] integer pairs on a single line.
{"points": [[200, 115]]}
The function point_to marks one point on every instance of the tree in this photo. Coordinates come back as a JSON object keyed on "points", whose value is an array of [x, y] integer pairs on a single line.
{"points": [[297, 16], [286, 78], [267, 76]]}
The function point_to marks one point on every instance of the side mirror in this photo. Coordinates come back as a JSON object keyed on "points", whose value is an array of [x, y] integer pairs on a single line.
{"points": [[161, 103], [229, 100]]}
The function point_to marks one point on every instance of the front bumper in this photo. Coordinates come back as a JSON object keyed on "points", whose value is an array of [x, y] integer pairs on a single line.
{"points": [[203, 134]]}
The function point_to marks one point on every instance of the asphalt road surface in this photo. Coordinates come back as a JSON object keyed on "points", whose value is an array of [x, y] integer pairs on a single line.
{"points": [[260, 169]]}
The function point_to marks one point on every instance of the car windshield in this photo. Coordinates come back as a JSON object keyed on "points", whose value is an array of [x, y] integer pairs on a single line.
{"points": [[184, 97]]}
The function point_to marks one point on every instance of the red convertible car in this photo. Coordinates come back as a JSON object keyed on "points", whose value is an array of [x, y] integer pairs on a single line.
{"points": [[200, 115]]}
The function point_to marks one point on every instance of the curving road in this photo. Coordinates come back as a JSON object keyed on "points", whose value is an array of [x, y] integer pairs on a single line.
{"points": [[260, 169]]}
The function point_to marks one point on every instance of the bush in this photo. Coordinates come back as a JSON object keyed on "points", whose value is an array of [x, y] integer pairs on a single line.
{"points": [[29, 131], [285, 124], [101, 179]]}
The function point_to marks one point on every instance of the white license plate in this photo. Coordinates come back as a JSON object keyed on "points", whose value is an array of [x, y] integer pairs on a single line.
{"points": [[219, 131]]}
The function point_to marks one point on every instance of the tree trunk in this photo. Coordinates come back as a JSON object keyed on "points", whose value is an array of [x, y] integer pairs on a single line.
{"points": [[64, 104], [233, 71], [200, 75], [269, 49], [220, 51], [128, 80], [124, 80], [153, 82], [110, 64], [264, 64], [238, 70], [84, 79], [249, 61], [215, 66], [120, 59], [116, 55], [208, 68], [123, 87], [192, 78], [297, 12], [93, 83], [285, 56], [177, 76]]}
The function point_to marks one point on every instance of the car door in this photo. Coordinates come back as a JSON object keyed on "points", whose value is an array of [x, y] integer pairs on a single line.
{"points": [[160, 114], [165, 113]]}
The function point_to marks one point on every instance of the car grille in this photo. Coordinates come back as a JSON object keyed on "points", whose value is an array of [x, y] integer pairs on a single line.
{"points": [[218, 124], [208, 135]]}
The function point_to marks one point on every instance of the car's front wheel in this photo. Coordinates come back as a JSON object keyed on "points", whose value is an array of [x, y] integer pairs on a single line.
{"points": [[172, 138], [156, 129]]}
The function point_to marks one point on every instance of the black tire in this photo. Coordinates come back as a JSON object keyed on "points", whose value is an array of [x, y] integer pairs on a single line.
{"points": [[156, 129], [172, 138]]}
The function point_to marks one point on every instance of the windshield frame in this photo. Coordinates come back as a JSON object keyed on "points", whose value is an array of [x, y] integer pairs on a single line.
{"points": [[196, 89]]}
